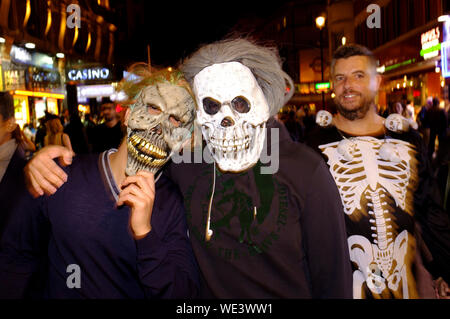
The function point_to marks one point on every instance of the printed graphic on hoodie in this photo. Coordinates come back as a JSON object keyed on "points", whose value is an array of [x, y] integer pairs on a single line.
{"points": [[240, 207]]}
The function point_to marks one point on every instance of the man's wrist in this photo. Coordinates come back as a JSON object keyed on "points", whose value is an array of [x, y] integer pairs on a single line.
{"points": [[141, 232]]}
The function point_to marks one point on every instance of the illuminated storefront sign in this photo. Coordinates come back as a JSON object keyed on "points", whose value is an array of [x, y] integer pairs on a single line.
{"points": [[89, 74], [90, 91], [445, 51], [42, 60], [430, 43], [322, 86], [40, 94], [384, 68], [20, 55], [14, 79]]}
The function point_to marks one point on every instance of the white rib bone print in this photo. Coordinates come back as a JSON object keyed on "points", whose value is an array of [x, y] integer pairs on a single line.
{"points": [[366, 170]]}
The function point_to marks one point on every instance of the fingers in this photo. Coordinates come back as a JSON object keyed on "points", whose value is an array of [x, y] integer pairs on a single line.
{"points": [[33, 187], [40, 183], [149, 178], [55, 151], [66, 159], [140, 187], [129, 199], [42, 174], [143, 180], [45, 169], [134, 190]]}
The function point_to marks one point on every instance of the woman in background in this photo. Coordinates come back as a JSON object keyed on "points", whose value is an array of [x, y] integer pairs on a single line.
{"points": [[55, 134]]}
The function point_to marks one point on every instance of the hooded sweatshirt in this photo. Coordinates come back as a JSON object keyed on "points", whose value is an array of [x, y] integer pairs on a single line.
{"points": [[279, 235]]}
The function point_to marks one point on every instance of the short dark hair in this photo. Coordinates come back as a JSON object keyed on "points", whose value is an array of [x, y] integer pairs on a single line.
{"points": [[436, 102], [6, 105], [349, 50]]}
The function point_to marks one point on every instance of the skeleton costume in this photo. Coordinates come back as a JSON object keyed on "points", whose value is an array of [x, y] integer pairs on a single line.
{"points": [[384, 186], [257, 235], [81, 225]]}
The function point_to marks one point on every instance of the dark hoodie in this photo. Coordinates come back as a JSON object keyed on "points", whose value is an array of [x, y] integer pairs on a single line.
{"points": [[293, 245]]}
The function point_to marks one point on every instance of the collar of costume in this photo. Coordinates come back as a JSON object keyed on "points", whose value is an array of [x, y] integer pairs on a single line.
{"points": [[106, 169]]}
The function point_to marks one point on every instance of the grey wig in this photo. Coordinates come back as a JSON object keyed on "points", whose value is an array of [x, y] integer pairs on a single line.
{"points": [[264, 62]]}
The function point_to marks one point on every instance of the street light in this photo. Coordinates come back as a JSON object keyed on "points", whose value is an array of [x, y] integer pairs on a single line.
{"points": [[320, 23]]}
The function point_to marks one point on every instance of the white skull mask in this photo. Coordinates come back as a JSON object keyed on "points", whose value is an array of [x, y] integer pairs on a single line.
{"points": [[232, 111], [159, 122]]}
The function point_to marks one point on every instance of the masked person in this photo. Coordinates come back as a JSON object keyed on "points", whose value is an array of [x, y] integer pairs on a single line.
{"points": [[395, 224], [259, 229], [115, 229]]}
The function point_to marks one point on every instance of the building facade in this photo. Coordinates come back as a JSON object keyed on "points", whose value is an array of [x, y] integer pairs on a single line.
{"points": [[42, 40]]}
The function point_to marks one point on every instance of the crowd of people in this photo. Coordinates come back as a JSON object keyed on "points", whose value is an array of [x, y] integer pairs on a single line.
{"points": [[344, 209], [81, 133]]}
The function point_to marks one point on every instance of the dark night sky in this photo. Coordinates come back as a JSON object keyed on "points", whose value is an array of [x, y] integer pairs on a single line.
{"points": [[175, 30]]}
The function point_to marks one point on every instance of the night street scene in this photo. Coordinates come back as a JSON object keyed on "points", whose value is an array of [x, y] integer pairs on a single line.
{"points": [[230, 158]]}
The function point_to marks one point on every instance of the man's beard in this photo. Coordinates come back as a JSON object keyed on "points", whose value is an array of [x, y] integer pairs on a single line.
{"points": [[355, 114]]}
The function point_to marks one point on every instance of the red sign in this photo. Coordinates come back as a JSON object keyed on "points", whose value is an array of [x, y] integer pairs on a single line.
{"points": [[433, 34]]}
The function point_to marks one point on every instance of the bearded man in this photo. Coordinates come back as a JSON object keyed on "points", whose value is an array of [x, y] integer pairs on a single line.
{"points": [[394, 223], [112, 230]]}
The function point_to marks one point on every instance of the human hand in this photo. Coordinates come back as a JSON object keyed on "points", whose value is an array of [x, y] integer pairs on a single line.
{"points": [[138, 192], [441, 289], [42, 174]]}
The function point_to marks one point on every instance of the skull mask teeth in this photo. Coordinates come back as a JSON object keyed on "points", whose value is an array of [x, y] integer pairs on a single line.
{"points": [[158, 124], [232, 113], [147, 151]]}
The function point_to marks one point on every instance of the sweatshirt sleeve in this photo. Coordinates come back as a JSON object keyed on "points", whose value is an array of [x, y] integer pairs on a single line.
{"points": [[23, 249], [166, 263], [325, 238]]}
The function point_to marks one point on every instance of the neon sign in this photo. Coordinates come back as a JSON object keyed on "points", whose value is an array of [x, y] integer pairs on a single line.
{"points": [[430, 43], [445, 47], [88, 74], [322, 86], [20, 55]]}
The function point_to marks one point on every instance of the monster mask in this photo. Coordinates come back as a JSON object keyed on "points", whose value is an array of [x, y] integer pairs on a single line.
{"points": [[232, 112], [160, 121]]}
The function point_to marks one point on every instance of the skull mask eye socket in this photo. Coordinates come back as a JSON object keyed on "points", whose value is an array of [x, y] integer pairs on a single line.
{"points": [[175, 121], [240, 104], [211, 106], [153, 109]]}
